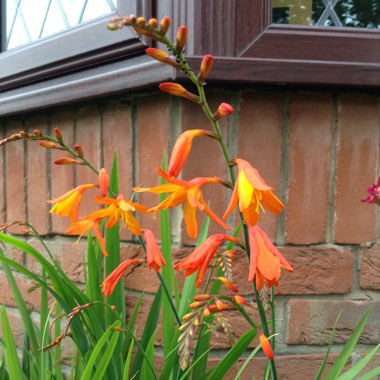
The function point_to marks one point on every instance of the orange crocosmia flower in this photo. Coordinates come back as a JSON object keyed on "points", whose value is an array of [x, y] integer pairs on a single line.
{"points": [[265, 345], [265, 259], [111, 281], [182, 149], [200, 258], [190, 194], [119, 209], [68, 203], [154, 257], [252, 193], [84, 225]]}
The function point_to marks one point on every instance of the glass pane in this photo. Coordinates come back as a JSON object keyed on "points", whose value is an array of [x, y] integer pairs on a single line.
{"points": [[30, 20], [335, 13]]}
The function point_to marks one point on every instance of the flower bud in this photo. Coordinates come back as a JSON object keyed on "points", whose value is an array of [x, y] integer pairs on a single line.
{"points": [[181, 38], [58, 135], [50, 145], [206, 312], [140, 21], [224, 109], [165, 24], [65, 161], [79, 150], [178, 90], [153, 23], [37, 132], [228, 283], [103, 182], [239, 299], [202, 297], [265, 345], [161, 56], [206, 66]]}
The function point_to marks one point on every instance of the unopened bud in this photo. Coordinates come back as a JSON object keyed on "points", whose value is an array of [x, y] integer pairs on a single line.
{"points": [[24, 134], [224, 109], [103, 182], [206, 312], [239, 300], [66, 161], [37, 132], [50, 145], [113, 307], [202, 297], [265, 345], [165, 24], [140, 21], [181, 38], [153, 23], [58, 135], [178, 90], [206, 66], [79, 150], [161, 56]]}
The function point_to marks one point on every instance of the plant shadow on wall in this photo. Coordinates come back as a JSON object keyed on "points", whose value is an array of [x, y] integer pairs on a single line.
{"points": [[104, 342]]}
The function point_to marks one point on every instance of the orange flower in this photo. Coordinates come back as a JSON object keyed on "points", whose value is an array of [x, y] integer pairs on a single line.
{"points": [[265, 259], [252, 193], [154, 257], [200, 258], [111, 281], [182, 149], [103, 182], [190, 194], [68, 203], [178, 90], [265, 345], [119, 209], [84, 225]]}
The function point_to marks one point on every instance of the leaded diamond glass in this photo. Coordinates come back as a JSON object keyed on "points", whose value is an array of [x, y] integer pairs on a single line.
{"points": [[30, 20], [334, 13]]}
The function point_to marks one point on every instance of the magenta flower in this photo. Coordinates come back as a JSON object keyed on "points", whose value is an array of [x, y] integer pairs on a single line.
{"points": [[373, 193]]}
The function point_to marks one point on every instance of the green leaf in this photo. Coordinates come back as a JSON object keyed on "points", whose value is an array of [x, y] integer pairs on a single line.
{"points": [[150, 328], [345, 354], [11, 357], [97, 350], [371, 374], [232, 355], [147, 364], [323, 365], [361, 364], [128, 361]]}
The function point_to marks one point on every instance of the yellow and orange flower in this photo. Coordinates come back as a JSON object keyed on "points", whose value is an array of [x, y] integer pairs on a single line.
{"points": [[265, 261], [84, 225], [200, 258], [252, 194], [190, 194], [68, 203], [154, 256], [182, 149], [111, 281], [119, 209]]}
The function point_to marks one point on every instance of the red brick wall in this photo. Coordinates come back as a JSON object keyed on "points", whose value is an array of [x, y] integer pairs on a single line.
{"points": [[320, 152]]}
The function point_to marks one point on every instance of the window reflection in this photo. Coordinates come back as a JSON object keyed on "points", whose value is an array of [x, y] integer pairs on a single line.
{"points": [[334, 13], [30, 20]]}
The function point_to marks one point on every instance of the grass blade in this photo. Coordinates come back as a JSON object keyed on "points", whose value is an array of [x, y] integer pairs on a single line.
{"points": [[340, 362], [11, 357], [128, 360], [232, 356]]}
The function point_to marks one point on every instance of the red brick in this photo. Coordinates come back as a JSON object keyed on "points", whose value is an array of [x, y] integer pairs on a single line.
{"points": [[370, 268], [71, 258], [311, 321], [117, 136], [15, 175], [206, 160], [62, 177], [87, 134], [310, 144], [152, 140], [356, 167], [259, 142], [37, 175], [314, 271]]}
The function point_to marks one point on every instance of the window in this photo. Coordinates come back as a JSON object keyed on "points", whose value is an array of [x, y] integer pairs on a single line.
{"points": [[256, 41]]}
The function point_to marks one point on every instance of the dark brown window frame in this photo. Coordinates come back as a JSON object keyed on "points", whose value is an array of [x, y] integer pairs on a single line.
{"points": [[249, 49]]}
